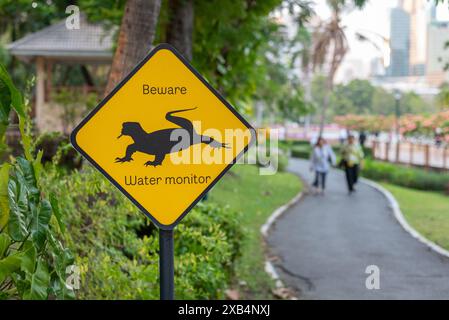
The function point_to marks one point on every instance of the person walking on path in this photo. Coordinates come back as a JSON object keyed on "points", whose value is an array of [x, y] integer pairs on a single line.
{"points": [[321, 159], [352, 157], [362, 138]]}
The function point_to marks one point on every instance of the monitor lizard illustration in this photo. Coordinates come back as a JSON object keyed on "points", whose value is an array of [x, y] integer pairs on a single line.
{"points": [[163, 142]]}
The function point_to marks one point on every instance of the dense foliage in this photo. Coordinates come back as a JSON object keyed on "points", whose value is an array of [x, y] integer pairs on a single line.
{"points": [[116, 247], [33, 262], [360, 97], [409, 177], [232, 46], [81, 222]]}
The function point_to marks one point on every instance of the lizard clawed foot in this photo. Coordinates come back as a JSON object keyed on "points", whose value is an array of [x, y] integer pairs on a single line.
{"points": [[152, 163], [122, 160]]}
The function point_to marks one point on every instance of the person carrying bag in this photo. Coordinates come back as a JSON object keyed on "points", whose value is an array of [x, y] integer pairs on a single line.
{"points": [[351, 161]]}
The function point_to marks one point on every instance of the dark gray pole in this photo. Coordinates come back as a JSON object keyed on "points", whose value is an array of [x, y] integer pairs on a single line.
{"points": [[166, 265]]}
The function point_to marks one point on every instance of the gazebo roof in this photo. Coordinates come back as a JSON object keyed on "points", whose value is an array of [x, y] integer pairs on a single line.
{"points": [[90, 41]]}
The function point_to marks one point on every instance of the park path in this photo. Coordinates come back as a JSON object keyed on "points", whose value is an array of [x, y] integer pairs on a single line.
{"points": [[325, 243]]}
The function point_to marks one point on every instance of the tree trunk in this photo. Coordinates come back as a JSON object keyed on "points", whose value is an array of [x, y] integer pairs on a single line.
{"points": [[135, 38], [338, 55], [326, 102], [180, 27]]}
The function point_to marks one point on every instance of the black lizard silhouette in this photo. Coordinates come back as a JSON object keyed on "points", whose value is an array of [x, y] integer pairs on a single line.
{"points": [[163, 142]]}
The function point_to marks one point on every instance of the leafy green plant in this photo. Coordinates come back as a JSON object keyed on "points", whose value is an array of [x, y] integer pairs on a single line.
{"points": [[32, 260], [58, 150], [116, 247], [72, 103]]}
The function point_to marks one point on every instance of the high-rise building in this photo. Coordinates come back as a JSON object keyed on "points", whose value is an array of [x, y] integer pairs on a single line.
{"points": [[433, 12], [418, 23], [437, 52], [400, 43]]}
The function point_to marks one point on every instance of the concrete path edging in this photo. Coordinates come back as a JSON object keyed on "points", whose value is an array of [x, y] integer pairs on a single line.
{"points": [[394, 205], [265, 229]]}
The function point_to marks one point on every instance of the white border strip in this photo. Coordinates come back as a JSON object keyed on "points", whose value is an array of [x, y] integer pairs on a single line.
{"points": [[265, 229], [277, 214], [394, 205]]}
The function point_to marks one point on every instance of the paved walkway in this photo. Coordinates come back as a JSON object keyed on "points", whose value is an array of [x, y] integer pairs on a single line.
{"points": [[325, 244]]}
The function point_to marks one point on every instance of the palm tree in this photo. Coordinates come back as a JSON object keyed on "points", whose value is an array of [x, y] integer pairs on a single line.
{"points": [[135, 38], [180, 27], [330, 47]]}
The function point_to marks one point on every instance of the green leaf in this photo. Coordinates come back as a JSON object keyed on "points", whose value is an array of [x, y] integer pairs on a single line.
{"points": [[26, 139], [5, 103], [29, 178], [37, 164], [4, 202], [3, 145], [18, 203], [39, 224], [9, 265], [64, 258], [16, 97], [57, 211], [4, 243], [28, 257], [40, 281]]}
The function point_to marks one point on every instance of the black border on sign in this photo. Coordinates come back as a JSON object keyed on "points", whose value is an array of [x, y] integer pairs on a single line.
{"points": [[118, 87]]}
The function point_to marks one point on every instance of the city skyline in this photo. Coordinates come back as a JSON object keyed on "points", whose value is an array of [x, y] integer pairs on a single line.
{"points": [[362, 56]]}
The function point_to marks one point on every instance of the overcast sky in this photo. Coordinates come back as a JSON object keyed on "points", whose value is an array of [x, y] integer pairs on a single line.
{"points": [[375, 18]]}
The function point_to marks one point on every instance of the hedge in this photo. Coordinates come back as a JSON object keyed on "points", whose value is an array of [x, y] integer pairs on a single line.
{"points": [[301, 151], [410, 177]]}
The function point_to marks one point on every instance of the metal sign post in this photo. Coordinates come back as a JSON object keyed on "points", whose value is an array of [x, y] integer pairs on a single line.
{"points": [[166, 264]]}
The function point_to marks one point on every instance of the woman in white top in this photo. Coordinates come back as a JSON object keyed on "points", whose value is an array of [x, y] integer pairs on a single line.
{"points": [[322, 157]]}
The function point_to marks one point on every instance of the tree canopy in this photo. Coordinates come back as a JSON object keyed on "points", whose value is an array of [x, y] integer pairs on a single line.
{"points": [[362, 98]]}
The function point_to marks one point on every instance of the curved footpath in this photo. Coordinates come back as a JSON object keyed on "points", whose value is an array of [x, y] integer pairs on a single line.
{"points": [[325, 243]]}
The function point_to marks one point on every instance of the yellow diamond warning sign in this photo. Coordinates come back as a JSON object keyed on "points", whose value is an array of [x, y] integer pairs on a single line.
{"points": [[163, 136]]}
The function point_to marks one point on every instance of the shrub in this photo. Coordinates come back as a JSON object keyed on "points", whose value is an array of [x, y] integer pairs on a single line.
{"points": [[409, 177], [116, 247], [33, 261], [285, 146], [57, 148], [282, 161], [368, 153], [294, 143], [277, 160], [301, 151]]}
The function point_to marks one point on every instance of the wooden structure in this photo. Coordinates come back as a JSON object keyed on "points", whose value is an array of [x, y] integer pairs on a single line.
{"points": [[89, 46]]}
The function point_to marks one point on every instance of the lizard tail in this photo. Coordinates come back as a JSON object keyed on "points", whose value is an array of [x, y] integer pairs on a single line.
{"points": [[177, 111], [183, 123]]}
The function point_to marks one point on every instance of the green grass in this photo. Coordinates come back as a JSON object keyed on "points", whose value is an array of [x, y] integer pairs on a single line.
{"points": [[425, 211], [256, 197]]}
